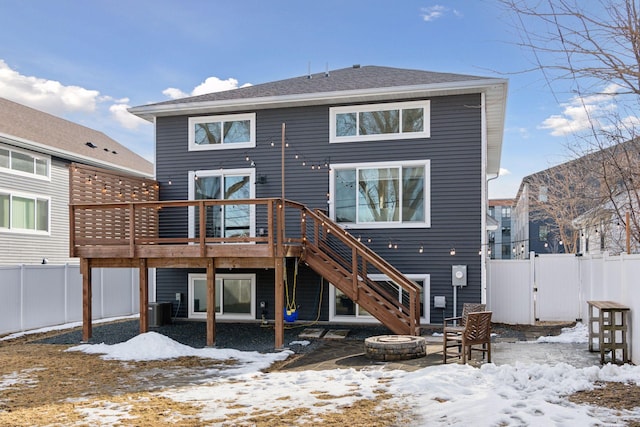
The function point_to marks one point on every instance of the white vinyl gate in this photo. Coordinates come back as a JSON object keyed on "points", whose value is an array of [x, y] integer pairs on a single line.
{"points": [[510, 291], [556, 288]]}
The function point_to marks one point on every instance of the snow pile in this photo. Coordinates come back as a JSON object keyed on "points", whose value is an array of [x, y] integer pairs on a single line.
{"points": [[578, 334], [155, 346]]}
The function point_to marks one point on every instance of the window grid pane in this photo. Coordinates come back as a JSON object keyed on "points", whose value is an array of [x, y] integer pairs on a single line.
{"points": [[22, 162], [378, 195], [346, 124], [413, 194], [345, 195], [42, 167], [237, 131], [4, 211], [208, 133], [4, 158], [237, 296], [413, 120], [199, 296], [23, 213], [379, 122], [42, 215]]}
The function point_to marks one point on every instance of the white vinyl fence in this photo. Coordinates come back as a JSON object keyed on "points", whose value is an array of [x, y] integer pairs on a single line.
{"points": [[557, 287], [36, 296]]}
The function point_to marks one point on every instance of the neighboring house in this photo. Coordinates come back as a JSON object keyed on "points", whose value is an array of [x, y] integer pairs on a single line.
{"points": [[531, 231], [579, 206], [601, 229], [398, 158], [499, 241], [36, 150]]}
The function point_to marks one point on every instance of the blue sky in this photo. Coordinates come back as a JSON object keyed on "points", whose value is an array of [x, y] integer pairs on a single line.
{"points": [[88, 61]]}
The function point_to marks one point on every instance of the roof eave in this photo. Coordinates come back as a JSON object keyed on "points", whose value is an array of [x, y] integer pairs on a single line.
{"points": [[148, 112], [495, 89], [68, 155]]}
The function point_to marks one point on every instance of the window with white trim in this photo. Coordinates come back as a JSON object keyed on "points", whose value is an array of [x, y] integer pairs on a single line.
{"points": [[343, 308], [395, 194], [374, 122], [24, 213], [223, 184], [234, 296], [24, 163], [222, 132]]}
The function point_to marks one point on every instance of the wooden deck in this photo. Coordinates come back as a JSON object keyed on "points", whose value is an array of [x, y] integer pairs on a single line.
{"points": [[112, 227]]}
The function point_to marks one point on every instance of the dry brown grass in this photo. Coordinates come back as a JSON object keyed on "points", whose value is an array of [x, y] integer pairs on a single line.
{"points": [[60, 388]]}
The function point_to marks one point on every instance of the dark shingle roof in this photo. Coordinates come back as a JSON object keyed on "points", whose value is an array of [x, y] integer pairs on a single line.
{"points": [[44, 132], [345, 79], [349, 85]]}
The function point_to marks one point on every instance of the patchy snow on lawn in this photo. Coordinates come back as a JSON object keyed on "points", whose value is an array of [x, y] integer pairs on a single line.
{"points": [[446, 395]]}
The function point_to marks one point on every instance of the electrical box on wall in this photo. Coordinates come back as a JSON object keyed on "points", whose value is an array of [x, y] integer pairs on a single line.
{"points": [[459, 275], [439, 302]]}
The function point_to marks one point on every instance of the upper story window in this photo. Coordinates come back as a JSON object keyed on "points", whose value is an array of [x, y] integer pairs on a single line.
{"points": [[543, 233], [222, 132], [371, 195], [380, 121], [24, 213], [24, 163], [543, 194]]}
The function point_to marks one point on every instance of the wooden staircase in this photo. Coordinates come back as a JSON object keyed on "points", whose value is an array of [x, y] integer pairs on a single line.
{"points": [[348, 264]]}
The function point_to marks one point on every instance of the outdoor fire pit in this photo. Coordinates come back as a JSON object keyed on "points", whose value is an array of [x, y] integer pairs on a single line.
{"points": [[395, 347]]}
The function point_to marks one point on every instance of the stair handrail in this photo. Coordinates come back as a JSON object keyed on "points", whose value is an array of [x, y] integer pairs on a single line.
{"points": [[369, 256], [387, 268]]}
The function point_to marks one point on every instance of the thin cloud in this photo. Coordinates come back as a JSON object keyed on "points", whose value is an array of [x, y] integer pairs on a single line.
{"points": [[432, 13], [174, 93], [504, 172], [46, 95], [210, 85], [522, 132], [125, 118], [582, 113]]}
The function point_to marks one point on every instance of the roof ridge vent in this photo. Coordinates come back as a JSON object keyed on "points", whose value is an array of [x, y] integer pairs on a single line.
{"points": [[356, 65]]}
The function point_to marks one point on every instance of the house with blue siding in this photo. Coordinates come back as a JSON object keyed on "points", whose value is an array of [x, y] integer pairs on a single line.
{"points": [[352, 195], [396, 158]]}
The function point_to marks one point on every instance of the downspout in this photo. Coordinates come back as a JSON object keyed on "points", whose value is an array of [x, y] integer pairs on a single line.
{"points": [[483, 204]]}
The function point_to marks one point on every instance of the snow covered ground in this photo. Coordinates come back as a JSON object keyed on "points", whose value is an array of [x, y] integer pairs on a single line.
{"points": [[451, 395]]}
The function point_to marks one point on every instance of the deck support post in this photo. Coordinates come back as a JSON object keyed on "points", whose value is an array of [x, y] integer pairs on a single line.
{"points": [[144, 296], [279, 297], [211, 302], [85, 270]]}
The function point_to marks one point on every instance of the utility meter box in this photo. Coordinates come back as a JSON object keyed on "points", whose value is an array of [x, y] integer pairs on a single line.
{"points": [[459, 275], [439, 302]]}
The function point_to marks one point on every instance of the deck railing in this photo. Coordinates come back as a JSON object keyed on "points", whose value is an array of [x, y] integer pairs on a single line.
{"points": [[188, 222], [246, 228]]}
